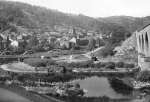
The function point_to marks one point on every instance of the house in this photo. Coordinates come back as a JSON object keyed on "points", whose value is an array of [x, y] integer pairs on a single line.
{"points": [[14, 44], [73, 40], [90, 33], [5, 43], [64, 44]]}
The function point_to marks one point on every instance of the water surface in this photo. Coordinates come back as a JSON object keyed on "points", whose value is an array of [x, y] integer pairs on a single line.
{"points": [[8, 96], [100, 86]]}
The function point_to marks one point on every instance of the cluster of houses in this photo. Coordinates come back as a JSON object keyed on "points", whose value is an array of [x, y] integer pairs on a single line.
{"points": [[61, 37], [7, 41]]}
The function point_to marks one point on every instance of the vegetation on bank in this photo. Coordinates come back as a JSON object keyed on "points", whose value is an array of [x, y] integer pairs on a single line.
{"points": [[144, 76], [65, 76], [90, 64], [44, 98], [30, 79], [38, 62], [34, 97], [90, 99]]}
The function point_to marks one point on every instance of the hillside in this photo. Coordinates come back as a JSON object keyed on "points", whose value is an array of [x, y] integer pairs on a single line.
{"points": [[129, 44], [128, 49], [129, 23], [20, 17], [33, 18]]}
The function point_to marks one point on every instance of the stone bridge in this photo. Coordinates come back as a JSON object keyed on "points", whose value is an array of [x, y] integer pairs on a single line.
{"points": [[143, 47]]}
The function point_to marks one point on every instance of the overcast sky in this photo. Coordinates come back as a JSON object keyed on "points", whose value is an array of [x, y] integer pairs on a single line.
{"points": [[97, 8]]}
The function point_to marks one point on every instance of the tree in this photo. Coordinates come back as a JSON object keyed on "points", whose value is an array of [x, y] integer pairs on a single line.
{"points": [[144, 76], [64, 70], [33, 42], [100, 42], [7, 43], [118, 34], [91, 44]]}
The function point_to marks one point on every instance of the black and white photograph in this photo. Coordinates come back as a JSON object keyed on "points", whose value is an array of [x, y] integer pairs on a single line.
{"points": [[74, 50]]}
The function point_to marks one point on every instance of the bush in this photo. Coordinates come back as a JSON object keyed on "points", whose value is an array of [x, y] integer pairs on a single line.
{"points": [[100, 65], [127, 65], [110, 65], [82, 42], [120, 64], [84, 64], [106, 51], [144, 76], [37, 62], [92, 44]]}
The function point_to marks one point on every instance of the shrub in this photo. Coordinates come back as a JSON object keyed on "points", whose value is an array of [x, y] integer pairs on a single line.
{"points": [[100, 65], [65, 64], [110, 65], [82, 42], [37, 62], [127, 65], [92, 44], [144, 76], [120, 64], [106, 51], [84, 64]]}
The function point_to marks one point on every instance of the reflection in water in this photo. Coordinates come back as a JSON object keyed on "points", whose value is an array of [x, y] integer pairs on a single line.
{"points": [[119, 87]]}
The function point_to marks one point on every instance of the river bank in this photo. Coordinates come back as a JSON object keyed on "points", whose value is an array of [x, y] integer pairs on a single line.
{"points": [[8, 96], [33, 97]]}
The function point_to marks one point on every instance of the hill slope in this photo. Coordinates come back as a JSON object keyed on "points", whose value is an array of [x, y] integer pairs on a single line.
{"points": [[33, 17], [128, 49], [18, 17], [129, 23]]}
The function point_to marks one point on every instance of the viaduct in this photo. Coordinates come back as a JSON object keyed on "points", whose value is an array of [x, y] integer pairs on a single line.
{"points": [[143, 47]]}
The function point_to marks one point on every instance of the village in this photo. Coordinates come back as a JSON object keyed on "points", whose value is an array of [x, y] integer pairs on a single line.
{"points": [[52, 61], [61, 38], [52, 56]]}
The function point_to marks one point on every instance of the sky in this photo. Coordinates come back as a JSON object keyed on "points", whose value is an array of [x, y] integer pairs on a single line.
{"points": [[96, 8]]}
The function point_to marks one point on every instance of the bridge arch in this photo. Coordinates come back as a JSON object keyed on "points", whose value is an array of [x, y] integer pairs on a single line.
{"points": [[143, 47]]}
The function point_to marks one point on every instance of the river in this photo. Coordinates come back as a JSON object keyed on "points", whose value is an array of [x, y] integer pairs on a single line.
{"points": [[8, 96], [101, 86]]}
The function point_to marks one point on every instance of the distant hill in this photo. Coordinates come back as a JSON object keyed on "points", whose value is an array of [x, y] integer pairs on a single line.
{"points": [[128, 22], [21, 17], [33, 17]]}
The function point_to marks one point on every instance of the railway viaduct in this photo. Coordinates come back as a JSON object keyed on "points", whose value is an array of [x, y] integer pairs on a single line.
{"points": [[143, 47]]}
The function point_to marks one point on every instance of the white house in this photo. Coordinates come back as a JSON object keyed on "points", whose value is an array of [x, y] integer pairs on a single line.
{"points": [[14, 43]]}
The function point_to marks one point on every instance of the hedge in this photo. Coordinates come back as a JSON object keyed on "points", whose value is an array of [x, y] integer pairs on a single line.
{"points": [[38, 62]]}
